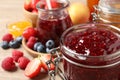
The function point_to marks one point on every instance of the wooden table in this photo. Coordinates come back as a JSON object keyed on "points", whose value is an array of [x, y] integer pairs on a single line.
{"points": [[11, 10]]}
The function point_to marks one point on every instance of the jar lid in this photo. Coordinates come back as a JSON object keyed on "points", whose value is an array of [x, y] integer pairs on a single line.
{"points": [[110, 6]]}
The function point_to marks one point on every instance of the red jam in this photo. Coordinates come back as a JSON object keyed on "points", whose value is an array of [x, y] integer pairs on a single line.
{"points": [[93, 57], [52, 23]]}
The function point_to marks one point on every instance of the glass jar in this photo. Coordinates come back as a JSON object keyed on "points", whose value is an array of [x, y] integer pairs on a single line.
{"points": [[108, 11], [91, 52], [52, 22]]}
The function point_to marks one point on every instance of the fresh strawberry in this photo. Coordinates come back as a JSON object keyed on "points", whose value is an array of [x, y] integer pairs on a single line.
{"points": [[8, 64], [33, 3], [23, 61], [7, 37], [33, 68], [27, 5], [29, 32], [31, 41], [16, 54], [44, 59]]}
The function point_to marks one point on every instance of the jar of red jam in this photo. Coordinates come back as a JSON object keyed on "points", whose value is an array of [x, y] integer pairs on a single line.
{"points": [[91, 52], [53, 19]]}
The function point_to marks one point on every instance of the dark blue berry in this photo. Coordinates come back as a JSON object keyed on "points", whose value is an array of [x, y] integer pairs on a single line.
{"points": [[14, 44], [36, 45], [50, 44], [19, 39], [41, 48], [4, 45]]}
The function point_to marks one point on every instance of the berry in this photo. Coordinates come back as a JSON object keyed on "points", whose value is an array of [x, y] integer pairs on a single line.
{"points": [[19, 39], [31, 41], [7, 37], [16, 54], [8, 64], [50, 44], [14, 44], [48, 50], [44, 59], [41, 48], [36, 45], [33, 68], [4, 45], [22, 62], [29, 32]]}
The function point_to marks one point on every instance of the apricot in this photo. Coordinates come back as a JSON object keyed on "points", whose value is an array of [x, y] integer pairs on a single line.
{"points": [[79, 13]]}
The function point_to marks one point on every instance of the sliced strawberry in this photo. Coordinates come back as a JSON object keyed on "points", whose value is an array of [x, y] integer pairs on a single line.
{"points": [[33, 68], [44, 59]]}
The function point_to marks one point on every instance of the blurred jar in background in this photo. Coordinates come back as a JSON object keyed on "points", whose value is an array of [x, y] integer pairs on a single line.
{"points": [[90, 4]]}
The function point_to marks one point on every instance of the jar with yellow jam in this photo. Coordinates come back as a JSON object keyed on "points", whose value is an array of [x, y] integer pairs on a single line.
{"points": [[108, 11]]}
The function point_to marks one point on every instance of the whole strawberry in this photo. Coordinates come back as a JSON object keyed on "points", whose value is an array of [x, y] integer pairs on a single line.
{"points": [[7, 37], [16, 54], [22, 62], [8, 64], [29, 32]]}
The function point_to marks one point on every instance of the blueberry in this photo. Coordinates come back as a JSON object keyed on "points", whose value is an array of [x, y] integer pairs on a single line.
{"points": [[41, 48], [36, 45], [4, 45], [50, 44], [14, 44], [19, 39], [48, 50]]}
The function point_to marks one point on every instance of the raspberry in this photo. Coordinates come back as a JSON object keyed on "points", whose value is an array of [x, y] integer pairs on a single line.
{"points": [[16, 55], [29, 32], [7, 37], [23, 61], [8, 64], [31, 42]]}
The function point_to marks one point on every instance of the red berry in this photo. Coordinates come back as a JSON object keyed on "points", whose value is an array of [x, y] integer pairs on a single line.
{"points": [[29, 32], [33, 68], [23, 61], [44, 59], [16, 55], [31, 42], [8, 64], [7, 37]]}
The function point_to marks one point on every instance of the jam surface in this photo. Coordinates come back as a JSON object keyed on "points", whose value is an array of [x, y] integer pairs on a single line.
{"points": [[93, 42]]}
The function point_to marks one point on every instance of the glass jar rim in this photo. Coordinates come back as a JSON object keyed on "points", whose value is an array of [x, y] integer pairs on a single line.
{"points": [[56, 9], [88, 25]]}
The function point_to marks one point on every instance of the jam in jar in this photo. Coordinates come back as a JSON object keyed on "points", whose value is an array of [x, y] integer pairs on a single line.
{"points": [[52, 22], [91, 52]]}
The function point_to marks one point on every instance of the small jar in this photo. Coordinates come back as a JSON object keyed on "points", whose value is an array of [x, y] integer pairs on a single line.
{"points": [[52, 22], [91, 52], [108, 11]]}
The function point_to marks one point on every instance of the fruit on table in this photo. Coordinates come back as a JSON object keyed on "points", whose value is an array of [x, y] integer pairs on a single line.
{"points": [[8, 64], [79, 13], [33, 68], [16, 54], [9, 42], [17, 28], [23, 62], [44, 59]]}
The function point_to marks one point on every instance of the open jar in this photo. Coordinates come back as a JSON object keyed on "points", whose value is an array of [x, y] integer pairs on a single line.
{"points": [[108, 11], [52, 22], [91, 52]]}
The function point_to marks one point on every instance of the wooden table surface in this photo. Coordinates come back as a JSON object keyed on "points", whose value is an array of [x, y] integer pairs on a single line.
{"points": [[11, 10]]}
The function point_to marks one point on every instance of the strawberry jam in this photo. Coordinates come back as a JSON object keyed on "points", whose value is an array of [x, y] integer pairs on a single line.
{"points": [[91, 52], [52, 22]]}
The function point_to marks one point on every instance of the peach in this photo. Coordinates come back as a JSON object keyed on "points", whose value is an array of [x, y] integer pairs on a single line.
{"points": [[79, 13]]}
